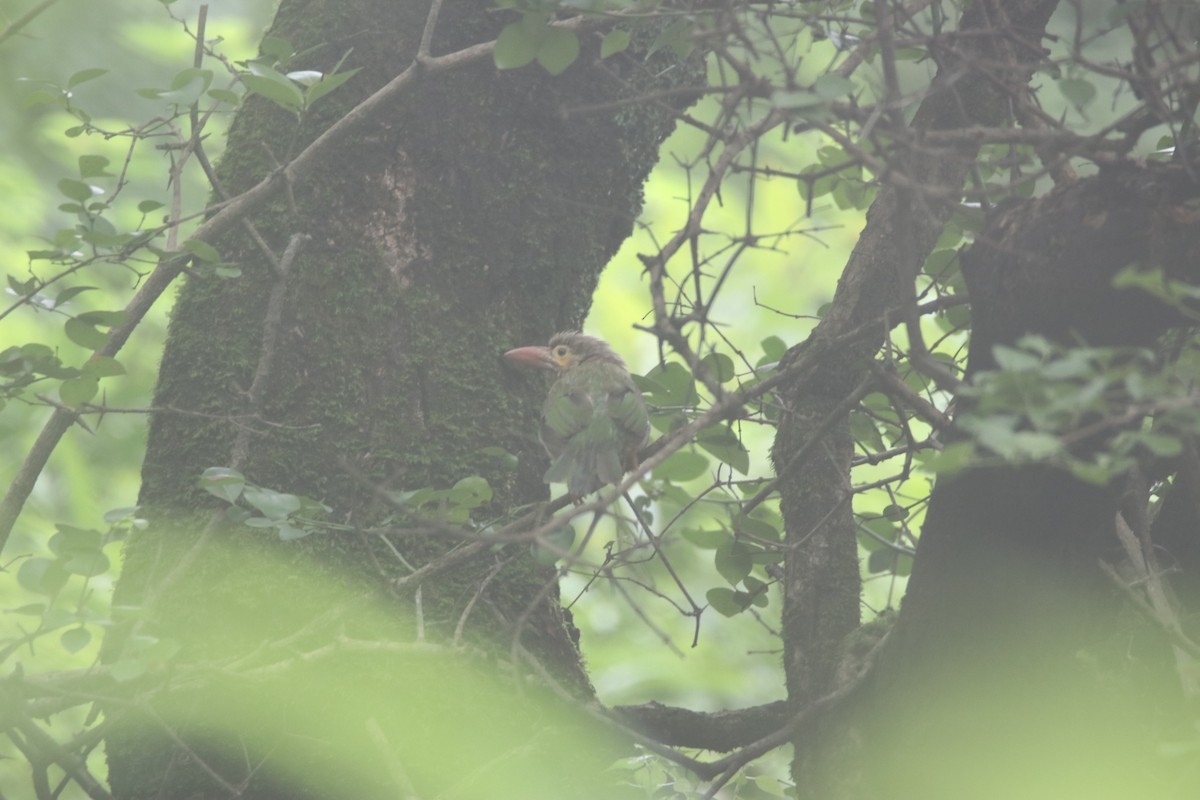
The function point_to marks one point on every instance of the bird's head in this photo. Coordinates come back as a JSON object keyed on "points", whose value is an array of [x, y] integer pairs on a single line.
{"points": [[566, 350]]}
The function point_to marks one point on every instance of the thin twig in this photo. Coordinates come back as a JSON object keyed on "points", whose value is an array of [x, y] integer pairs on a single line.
{"points": [[20, 22]]}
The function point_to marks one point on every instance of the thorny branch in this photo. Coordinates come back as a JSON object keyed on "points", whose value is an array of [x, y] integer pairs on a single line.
{"points": [[874, 137]]}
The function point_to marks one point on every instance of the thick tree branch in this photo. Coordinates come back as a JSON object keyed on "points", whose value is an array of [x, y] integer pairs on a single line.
{"points": [[721, 731]]}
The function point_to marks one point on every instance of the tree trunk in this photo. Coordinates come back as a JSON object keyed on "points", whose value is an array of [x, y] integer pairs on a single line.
{"points": [[471, 217], [978, 71], [1007, 673]]}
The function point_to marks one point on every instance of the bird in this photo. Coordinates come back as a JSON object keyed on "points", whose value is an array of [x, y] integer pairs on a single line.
{"points": [[594, 420]]}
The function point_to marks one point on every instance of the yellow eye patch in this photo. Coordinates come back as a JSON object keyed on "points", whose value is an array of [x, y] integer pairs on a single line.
{"points": [[562, 355]]}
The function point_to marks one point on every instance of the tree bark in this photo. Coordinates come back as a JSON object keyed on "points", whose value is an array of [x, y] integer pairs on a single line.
{"points": [[1006, 670], [473, 217], [978, 71]]}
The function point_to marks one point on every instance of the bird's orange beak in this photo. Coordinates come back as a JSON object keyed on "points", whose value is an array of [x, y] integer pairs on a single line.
{"points": [[532, 356]]}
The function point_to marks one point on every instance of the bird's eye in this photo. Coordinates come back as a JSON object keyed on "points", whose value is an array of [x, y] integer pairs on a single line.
{"points": [[561, 351]]}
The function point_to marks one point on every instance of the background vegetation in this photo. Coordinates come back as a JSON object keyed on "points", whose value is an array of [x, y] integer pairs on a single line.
{"points": [[749, 221]]}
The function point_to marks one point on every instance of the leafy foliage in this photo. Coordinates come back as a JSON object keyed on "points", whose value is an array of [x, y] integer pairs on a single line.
{"points": [[790, 145]]}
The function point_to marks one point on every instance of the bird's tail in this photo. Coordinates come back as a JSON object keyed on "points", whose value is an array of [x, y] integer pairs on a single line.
{"points": [[584, 469]]}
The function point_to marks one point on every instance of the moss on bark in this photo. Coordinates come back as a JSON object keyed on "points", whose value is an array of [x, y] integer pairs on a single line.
{"points": [[472, 217]]}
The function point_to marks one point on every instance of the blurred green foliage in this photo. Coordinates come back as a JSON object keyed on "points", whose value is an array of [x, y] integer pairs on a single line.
{"points": [[89, 112]]}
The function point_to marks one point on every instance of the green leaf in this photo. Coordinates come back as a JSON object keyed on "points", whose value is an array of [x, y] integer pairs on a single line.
{"points": [[470, 492], [761, 557], [995, 431], [1098, 474], [56, 618], [76, 190], [85, 75], [1160, 445], [75, 639], [753, 585], [42, 576], [115, 515], [22, 288], [558, 50], [794, 99], [1035, 445], [515, 47], [944, 267], [327, 84], [289, 533], [29, 609], [202, 250], [756, 591], [225, 96], [279, 49], [127, 669], [707, 539], [733, 561], [274, 86], [720, 367], [105, 319], [94, 167], [759, 528], [769, 785], [680, 466], [865, 432], [146, 206], [305, 77], [66, 294], [955, 318], [36, 351], [187, 86], [76, 391], [222, 482], [831, 86], [615, 41], [725, 602], [881, 560], [722, 442], [43, 97], [102, 367], [185, 79], [272, 504], [70, 539], [87, 563], [1013, 359], [416, 498], [672, 384], [1078, 92], [503, 456], [774, 349], [953, 458]]}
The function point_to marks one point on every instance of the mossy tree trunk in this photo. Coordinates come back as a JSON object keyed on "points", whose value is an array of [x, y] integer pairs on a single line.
{"points": [[1010, 671], [473, 216]]}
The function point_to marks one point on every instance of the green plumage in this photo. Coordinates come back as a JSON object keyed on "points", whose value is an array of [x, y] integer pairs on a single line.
{"points": [[594, 420]]}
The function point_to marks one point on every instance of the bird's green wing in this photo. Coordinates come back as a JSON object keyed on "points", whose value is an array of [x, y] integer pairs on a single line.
{"points": [[567, 412], [629, 413], [592, 425]]}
